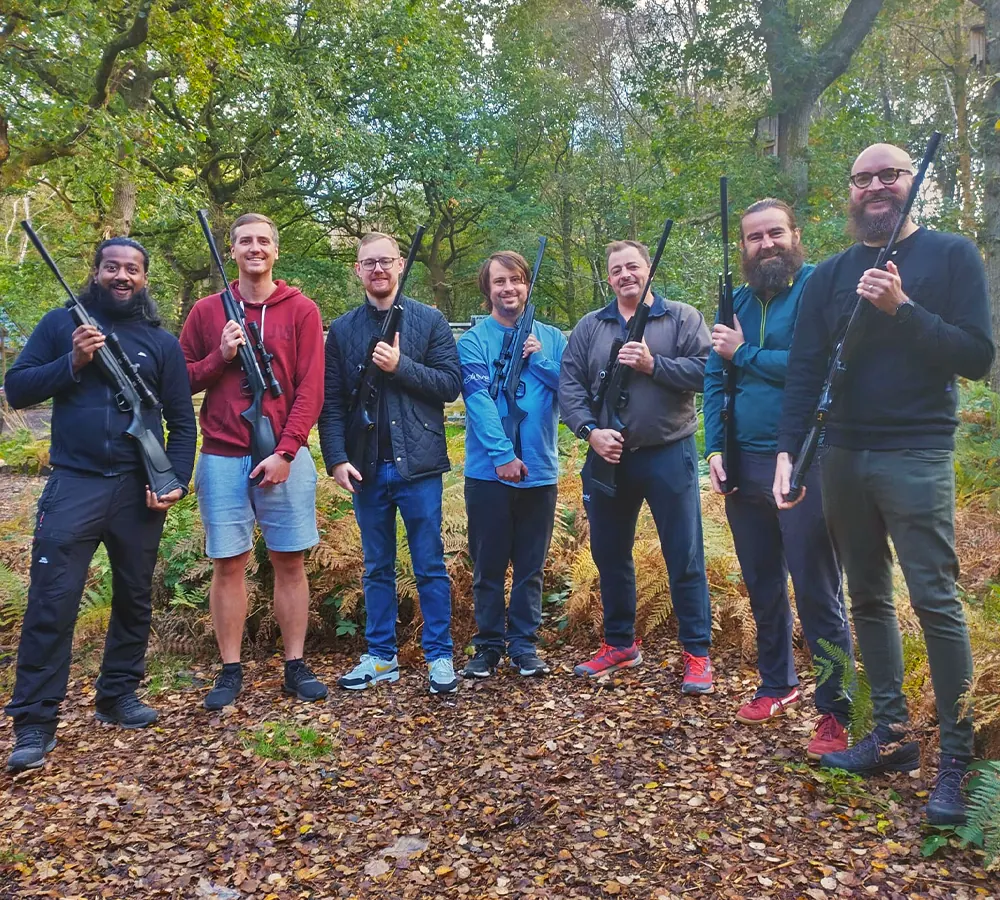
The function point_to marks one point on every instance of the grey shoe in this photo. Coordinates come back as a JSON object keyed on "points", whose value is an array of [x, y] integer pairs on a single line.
{"points": [[530, 664], [128, 711], [30, 747], [482, 665], [371, 670], [441, 676]]}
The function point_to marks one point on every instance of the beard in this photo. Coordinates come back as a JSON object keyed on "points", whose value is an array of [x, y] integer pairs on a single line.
{"points": [[771, 274], [139, 306], [869, 227]]}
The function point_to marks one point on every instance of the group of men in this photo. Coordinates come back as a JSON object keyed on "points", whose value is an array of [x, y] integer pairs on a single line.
{"points": [[885, 470]]}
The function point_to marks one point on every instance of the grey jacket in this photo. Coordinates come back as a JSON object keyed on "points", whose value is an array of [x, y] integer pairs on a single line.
{"points": [[661, 406], [429, 375]]}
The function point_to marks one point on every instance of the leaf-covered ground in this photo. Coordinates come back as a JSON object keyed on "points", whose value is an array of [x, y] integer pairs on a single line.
{"points": [[551, 788]]}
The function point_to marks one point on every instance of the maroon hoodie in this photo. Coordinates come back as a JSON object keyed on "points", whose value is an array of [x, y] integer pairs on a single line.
{"points": [[292, 330]]}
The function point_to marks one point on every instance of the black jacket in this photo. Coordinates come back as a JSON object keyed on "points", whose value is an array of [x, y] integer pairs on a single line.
{"points": [[429, 376], [88, 429]]}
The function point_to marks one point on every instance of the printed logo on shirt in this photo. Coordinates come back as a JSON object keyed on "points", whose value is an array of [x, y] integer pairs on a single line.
{"points": [[141, 353], [475, 378], [43, 560]]}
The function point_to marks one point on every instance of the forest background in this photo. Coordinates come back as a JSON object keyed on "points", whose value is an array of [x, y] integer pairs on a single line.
{"points": [[492, 123]]}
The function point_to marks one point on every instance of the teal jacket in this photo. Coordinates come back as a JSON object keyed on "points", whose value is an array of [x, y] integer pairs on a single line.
{"points": [[760, 363]]}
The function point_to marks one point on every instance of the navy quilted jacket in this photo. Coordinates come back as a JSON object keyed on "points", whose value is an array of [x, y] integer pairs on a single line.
{"points": [[429, 376]]}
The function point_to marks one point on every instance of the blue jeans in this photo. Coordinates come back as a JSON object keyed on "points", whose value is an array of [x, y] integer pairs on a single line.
{"points": [[770, 545], [419, 503], [666, 477]]}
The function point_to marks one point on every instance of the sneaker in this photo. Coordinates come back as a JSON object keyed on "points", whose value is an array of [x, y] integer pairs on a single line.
{"points": [[760, 709], [301, 683], [128, 711], [30, 747], [829, 737], [697, 675], [874, 754], [227, 687], [371, 670], [441, 676], [482, 665], [530, 664], [609, 659], [946, 805]]}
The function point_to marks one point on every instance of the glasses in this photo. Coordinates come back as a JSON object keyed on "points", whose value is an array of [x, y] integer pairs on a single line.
{"points": [[384, 261], [886, 176]]}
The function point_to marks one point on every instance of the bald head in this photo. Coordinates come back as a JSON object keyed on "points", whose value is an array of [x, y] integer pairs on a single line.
{"points": [[882, 156]]}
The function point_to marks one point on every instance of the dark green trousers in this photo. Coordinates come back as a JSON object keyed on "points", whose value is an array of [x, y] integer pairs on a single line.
{"points": [[908, 495]]}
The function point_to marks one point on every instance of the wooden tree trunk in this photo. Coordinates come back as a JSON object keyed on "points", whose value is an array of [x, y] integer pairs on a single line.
{"points": [[989, 142], [566, 248], [793, 141]]}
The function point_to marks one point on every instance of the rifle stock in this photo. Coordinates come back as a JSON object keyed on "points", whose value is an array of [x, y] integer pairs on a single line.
{"points": [[131, 392], [730, 447], [612, 394], [849, 340]]}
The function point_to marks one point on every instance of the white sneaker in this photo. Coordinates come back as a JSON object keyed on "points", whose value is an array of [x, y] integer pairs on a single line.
{"points": [[371, 670], [442, 677]]}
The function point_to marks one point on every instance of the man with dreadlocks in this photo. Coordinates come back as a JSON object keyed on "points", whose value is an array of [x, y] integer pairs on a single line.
{"points": [[97, 493]]}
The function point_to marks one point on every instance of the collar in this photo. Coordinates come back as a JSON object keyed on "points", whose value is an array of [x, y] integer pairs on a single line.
{"points": [[656, 309]]}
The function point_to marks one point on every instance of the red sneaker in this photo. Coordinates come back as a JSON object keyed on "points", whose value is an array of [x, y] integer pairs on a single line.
{"points": [[760, 709], [697, 675], [608, 659], [829, 737]]}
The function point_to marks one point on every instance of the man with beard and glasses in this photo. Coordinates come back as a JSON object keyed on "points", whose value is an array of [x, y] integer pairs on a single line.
{"points": [[405, 458], [283, 503], [889, 470], [771, 544], [97, 493]]}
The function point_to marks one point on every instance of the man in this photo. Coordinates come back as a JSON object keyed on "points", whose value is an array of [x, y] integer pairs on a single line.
{"points": [[657, 464], [97, 493], [404, 461], [769, 543], [283, 504], [510, 497], [889, 470]]}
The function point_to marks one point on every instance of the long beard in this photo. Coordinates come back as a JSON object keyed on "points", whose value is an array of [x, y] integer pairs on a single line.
{"points": [[139, 306], [771, 275], [873, 228]]}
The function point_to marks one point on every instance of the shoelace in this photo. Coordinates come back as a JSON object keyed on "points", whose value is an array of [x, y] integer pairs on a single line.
{"points": [[130, 704], [695, 665], [227, 679], [32, 738], [826, 728], [949, 783]]}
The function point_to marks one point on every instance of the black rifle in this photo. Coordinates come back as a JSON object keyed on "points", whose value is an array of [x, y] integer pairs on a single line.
{"points": [[131, 392], [364, 397], [730, 448], [612, 394], [850, 338], [253, 358], [509, 367]]}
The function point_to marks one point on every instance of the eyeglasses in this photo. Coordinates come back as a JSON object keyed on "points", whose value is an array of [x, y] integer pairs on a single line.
{"points": [[886, 176], [385, 262]]}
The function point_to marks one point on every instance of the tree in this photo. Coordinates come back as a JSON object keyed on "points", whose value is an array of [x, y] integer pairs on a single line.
{"points": [[989, 234]]}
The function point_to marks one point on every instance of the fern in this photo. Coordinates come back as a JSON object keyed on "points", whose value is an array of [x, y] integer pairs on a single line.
{"points": [[854, 686], [983, 811], [13, 598]]}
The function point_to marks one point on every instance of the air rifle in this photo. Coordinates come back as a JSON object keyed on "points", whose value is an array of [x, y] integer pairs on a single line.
{"points": [[730, 448]]}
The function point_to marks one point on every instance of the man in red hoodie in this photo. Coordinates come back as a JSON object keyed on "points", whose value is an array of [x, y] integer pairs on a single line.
{"points": [[283, 504]]}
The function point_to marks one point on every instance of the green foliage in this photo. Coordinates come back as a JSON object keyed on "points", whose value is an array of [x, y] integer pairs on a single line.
{"points": [[166, 672], [982, 827], [287, 741], [977, 442], [22, 451], [853, 685]]}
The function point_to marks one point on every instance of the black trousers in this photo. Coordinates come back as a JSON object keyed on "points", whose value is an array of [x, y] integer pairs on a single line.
{"points": [[76, 512], [508, 524]]}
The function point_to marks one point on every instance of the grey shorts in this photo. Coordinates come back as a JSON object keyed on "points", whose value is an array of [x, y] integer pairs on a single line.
{"points": [[230, 505]]}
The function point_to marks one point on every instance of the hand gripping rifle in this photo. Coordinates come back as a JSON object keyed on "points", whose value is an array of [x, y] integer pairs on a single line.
{"points": [[364, 397], [730, 448], [131, 392], [259, 376], [850, 339], [612, 395], [508, 369]]}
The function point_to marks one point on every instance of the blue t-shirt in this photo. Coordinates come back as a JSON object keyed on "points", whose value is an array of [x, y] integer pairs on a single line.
{"points": [[486, 445]]}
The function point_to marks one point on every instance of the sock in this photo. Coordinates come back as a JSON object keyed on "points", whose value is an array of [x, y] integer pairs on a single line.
{"points": [[889, 735], [233, 667]]}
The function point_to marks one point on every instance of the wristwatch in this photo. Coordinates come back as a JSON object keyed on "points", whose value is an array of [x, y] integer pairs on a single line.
{"points": [[904, 311], [583, 432], [288, 457]]}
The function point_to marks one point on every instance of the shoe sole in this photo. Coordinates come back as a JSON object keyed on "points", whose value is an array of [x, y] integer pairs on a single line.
{"points": [[490, 674], [533, 673], [291, 692], [776, 715], [628, 664], [945, 819], [105, 719], [391, 677], [444, 690], [49, 747], [697, 689]]}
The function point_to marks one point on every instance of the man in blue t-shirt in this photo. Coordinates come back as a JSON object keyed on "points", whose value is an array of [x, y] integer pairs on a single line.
{"points": [[510, 499]]}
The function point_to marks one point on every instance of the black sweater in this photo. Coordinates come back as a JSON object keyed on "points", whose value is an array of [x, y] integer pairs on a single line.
{"points": [[88, 429], [899, 389]]}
